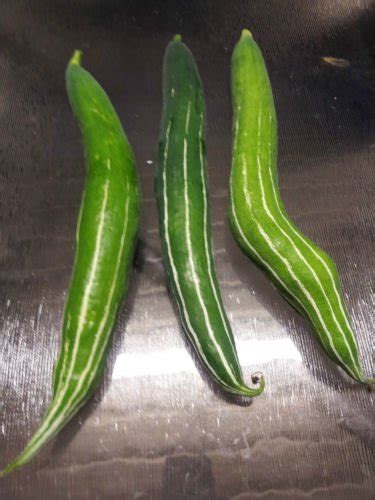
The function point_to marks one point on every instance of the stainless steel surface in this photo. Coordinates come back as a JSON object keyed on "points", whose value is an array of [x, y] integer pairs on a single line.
{"points": [[157, 428]]}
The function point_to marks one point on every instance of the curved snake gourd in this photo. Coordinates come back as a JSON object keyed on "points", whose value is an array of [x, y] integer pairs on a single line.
{"points": [[304, 273], [105, 241], [184, 221]]}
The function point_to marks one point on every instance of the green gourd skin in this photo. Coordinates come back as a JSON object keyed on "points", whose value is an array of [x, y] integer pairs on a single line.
{"points": [[184, 221], [304, 274], [105, 241]]}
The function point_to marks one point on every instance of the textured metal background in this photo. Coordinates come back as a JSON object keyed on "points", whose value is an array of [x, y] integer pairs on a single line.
{"points": [[157, 428]]}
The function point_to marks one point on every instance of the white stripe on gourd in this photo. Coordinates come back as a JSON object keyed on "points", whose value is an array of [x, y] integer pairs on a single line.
{"points": [[309, 246], [318, 256], [87, 291], [40, 435], [195, 276], [181, 302], [286, 263], [300, 254], [294, 276], [308, 295], [66, 344], [206, 243]]}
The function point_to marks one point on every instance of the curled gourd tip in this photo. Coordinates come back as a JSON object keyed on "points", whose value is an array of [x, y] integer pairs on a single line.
{"points": [[76, 57], [257, 378]]}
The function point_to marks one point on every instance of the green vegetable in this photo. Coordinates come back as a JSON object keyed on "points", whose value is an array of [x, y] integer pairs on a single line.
{"points": [[184, 221], [304, 274], [105, 241]]}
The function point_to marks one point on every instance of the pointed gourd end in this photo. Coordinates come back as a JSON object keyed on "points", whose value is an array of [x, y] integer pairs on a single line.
{"points": [[245, 33], [8, 469], [177, 38], [76, 57]]}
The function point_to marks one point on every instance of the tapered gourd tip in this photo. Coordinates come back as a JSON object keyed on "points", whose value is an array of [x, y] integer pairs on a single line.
{"points": [[11, 467], [6, 470], [245, 33], [177, 38], [76, 57]]}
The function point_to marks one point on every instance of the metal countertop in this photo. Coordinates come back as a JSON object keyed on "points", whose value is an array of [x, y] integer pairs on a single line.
{"points": [[157, 428]]}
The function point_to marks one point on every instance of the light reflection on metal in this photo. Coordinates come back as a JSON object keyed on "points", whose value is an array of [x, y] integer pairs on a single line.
{"points": [[178, 360]]}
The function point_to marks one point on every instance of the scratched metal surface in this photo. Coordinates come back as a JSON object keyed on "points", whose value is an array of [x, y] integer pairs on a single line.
{"points": [[157, 428]]}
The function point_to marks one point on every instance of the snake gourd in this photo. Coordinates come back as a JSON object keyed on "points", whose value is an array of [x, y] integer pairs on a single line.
{"points": [[184, 221], [105, 241], [305, 275]]}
